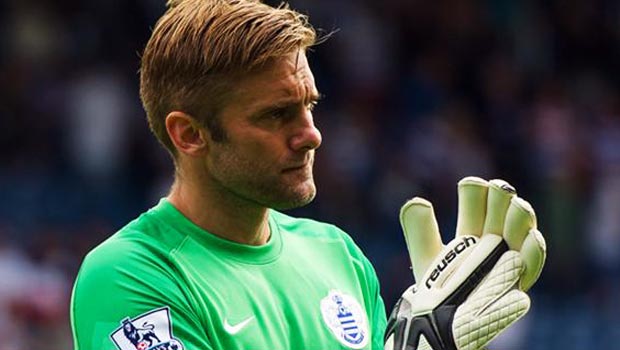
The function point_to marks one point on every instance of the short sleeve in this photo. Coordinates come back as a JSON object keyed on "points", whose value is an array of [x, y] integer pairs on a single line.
{"points": [[126, 298]]}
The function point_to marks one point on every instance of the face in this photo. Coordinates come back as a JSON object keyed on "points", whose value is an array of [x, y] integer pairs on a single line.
{"points": [[268, 154]]}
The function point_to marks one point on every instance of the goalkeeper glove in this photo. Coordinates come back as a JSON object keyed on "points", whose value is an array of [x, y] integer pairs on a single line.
{"points": [[473, 288]]}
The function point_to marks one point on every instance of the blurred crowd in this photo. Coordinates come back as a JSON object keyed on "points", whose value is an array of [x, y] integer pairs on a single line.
{"points": [[417, 95]]}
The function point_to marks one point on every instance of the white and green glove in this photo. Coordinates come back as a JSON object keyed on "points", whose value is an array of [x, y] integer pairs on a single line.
{"points": [[471, 289]]}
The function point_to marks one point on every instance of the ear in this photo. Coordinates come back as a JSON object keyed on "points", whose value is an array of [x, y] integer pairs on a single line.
{"points": [[187, 135]]}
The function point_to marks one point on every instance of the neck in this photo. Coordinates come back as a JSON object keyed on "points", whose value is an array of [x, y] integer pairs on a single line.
{"points": [[220, 212]]}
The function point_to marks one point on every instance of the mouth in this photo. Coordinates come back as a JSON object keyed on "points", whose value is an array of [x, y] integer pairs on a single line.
{"points": [[301, 165], [296, 168]]}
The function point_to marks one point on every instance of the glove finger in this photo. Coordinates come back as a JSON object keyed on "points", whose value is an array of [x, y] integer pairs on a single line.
{"points": [[533, 254], [498, 201], [520, 219], [472, 206], [472, 331], [421, 232]]}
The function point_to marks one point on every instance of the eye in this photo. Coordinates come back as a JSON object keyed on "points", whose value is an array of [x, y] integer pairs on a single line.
{"points": [[314, 102], [278, 113], [312, 105]]}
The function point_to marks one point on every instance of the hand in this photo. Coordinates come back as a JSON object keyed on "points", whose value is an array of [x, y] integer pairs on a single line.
{"points": [[470, 290]]}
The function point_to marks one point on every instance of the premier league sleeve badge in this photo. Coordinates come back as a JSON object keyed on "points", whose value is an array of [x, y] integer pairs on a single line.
{"points": [[149, 331]]}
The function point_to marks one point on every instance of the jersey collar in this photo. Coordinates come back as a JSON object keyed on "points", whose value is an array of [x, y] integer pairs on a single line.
{"points": [[249, 254]]}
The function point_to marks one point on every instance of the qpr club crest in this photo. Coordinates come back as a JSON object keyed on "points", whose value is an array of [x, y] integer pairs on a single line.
{"points": [[346, 319], [149, 331]]}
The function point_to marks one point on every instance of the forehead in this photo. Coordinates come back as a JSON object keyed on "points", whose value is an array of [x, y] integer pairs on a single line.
{"points": [[286, 79]]}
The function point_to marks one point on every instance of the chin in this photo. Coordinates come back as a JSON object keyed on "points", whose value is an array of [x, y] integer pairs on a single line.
{"points": [[303, 196]]}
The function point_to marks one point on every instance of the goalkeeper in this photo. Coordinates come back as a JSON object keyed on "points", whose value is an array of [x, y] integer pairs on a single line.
{"points": [[214, 265]]}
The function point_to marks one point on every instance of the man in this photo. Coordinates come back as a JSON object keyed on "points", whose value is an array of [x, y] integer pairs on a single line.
{"points": [[228, 91]]}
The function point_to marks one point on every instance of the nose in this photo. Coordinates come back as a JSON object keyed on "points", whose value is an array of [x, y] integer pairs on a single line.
{"points": [[306, 136]]}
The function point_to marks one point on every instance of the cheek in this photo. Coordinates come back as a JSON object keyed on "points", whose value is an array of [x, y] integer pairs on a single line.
{"points": [[251, 145], [246, 159], [266, 148]]}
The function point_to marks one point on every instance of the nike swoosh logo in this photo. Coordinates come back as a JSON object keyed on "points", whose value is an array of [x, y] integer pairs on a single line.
{"points": [[232, 330]]}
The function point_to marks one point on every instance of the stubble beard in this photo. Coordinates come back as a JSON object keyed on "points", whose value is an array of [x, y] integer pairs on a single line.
{"points": [[253, 181]]}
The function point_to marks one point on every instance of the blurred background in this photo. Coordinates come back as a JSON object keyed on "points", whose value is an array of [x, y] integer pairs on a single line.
{"points": [[418, 94]]}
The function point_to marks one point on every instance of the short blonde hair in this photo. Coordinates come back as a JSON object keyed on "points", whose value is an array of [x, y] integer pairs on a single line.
{"points": [[199, 47]]}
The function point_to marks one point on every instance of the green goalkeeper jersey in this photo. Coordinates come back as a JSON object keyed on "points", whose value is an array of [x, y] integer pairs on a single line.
{"points": [[163, 283]]}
